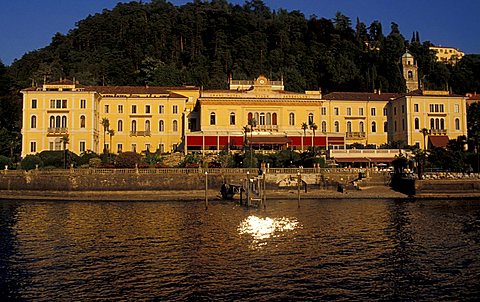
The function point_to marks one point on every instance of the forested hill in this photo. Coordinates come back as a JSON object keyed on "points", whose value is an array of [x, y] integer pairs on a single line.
{"points": [[204, 42]]}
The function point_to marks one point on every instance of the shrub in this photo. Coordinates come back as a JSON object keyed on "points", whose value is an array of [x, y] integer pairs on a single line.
{"points": [[5, 161], [128, 160], [94, 162], [30, 162], [56, 158], [85, 157]]}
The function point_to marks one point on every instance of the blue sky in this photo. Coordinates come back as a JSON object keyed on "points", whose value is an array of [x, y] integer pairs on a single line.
{"points": [[26, 25]]}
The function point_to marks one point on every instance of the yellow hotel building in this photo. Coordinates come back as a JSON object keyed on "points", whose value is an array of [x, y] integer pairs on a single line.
{"points": [[189, 119], [449, 55]]}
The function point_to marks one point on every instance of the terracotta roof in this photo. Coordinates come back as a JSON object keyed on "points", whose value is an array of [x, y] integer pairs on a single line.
{"points": [[440, 141], [360, 96], [474, 97], [420, 93]]}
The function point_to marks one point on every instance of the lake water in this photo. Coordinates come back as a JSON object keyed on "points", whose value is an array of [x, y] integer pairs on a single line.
{"points": [[174, 251]]}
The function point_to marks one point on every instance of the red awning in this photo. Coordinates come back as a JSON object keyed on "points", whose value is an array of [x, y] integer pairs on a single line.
{"points": [[440, 141], [269, 140]]}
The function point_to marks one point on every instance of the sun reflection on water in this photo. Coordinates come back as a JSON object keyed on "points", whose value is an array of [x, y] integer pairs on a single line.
{"points": [[264, 228]]}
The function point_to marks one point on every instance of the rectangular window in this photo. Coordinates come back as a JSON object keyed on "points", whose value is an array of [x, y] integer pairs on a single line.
{"points": [[82, 147], [134, 147], [161, 109], [394, 110], [385, 111], [147, 108], [175, 109], [120, 108], [415, 107], [106, 109], [33, 146], [373, 111], [51, 146], [34, 104], [119, 148], [83, 104], [432, 108], [232, 118], [456, 108], [442, 109], [134, 108], [336, 111], [52, 104], [64, 104], [58, 103], [324, 111], [349, 111], [403, 108], [360, 111]]}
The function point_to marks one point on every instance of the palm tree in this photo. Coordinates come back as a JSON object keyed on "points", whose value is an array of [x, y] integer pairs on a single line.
{"points": [[65, 141], [253, 124], [106, 126], [111, 133], [304, 127], [314, 128]]}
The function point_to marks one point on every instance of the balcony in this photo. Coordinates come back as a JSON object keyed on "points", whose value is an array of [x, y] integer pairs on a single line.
{"points": [[57, 131], [266, 128], [140, 133], [438, 131], [355, 135]]}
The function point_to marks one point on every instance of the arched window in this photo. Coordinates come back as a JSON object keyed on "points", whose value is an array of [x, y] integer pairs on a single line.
{"points": [[262, 118], [437, 123], [57, 121], [175, 126], [432, 123], [147, 125], [457, 124], [161, 126], [417, 124], [33, 122], [212, 118], [257, 117], [52, 122], [324, 127], [310, 118], [442, 124], [291, 119], [374, 127], [349, 126], [82, 121], [120, 126], [274, 119], [232, 118], [250, 117], [362, 128], [269, 118], [134, 126], [64, 121], [410, 74], [337, 127]]}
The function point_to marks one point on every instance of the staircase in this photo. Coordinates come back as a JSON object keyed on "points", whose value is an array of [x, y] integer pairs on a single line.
{"points": [[375, 180]]}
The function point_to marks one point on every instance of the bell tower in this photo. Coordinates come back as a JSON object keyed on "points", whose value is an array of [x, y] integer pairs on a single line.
{"points": [[410, 71]]}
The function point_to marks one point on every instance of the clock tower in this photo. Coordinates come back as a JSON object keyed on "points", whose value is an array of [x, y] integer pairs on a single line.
{"points": [[410, 72]]}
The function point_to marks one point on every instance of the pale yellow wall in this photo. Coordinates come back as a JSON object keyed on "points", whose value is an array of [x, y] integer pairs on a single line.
{"points": [[223, 111], [411, 135], [364, 137], [447, 54], [43, 112], [168, 138]]}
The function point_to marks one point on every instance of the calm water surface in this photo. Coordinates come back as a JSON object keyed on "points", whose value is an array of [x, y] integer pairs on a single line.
{"points": [[173, 251]]}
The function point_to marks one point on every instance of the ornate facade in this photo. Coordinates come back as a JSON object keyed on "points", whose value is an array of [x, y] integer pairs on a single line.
{"points": [[259, 113]]}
